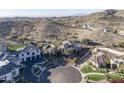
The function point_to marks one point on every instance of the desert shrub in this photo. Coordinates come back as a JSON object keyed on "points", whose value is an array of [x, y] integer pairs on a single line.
{"points": [[74, 36], [115, 31], [85, 41], [121, 44], [72, 60]]}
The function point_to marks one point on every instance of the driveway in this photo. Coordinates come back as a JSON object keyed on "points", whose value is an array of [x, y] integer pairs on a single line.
{"points": [[43, 78], [28, 75]]}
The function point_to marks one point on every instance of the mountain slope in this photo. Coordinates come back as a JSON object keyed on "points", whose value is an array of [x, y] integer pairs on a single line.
{"points": [[56, 29]]}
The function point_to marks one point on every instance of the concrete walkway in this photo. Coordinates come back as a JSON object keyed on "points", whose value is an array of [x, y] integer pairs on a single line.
{"points": [[111, 51], [95, 73]]}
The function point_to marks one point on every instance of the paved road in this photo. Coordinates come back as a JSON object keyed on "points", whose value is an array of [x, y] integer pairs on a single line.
{"points": [[84, 57], [28, 75], [43, 78]]}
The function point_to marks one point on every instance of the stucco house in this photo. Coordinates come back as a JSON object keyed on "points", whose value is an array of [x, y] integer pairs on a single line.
{"points": [[88, 26], [49, 48], [75, 45], [107, 60], [65, 44]]}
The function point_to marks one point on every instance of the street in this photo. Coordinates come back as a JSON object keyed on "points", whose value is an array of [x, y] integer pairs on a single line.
{"points": [[28, 75]]}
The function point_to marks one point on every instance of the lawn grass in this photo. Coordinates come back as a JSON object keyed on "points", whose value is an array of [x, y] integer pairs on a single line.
{"points": [[116, 76], [87, 69], [13, 48], [96, 77]]}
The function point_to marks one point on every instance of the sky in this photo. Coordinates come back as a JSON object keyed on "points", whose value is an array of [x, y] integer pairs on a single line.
{"points": [[45, 12]]}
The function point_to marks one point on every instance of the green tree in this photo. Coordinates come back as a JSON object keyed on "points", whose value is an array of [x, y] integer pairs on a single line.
{"points": [[68, 51], [85, 41]]}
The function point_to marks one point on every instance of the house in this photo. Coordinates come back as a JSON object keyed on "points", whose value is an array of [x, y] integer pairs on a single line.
{"points": [[107, 58], [13, 59], [75, 45], [116, 62], [10, 62], [101, 60], [65, 45], [104, 61], [73, 25], [49, 48], [88, 26], [8, 71], [106, 29], [3, 47], [28, 53], [8, 68]]}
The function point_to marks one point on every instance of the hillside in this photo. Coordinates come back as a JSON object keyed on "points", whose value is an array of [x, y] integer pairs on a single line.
{"points": [[106, 28]]}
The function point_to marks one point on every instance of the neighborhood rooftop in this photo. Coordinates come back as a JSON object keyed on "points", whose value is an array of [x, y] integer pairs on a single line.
{"points": [[7, 68]]}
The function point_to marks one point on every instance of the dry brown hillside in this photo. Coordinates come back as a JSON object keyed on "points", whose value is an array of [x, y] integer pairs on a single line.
{"points": [[57, 29]]}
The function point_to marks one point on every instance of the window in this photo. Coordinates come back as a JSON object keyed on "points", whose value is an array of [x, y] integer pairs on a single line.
{"points": [[17, 55], [2, 78], [5, 77], [28, 53], [33, 53], [22, 54], [23, 59], [14, 73]]}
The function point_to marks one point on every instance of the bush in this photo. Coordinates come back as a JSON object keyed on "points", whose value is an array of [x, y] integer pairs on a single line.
{"points": [[85, 41], [116, 76], [115, 31], [68, 51], [74, 36], [115, 45], [72, 61], [87, 69], [13, 48], [121, 44]]}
